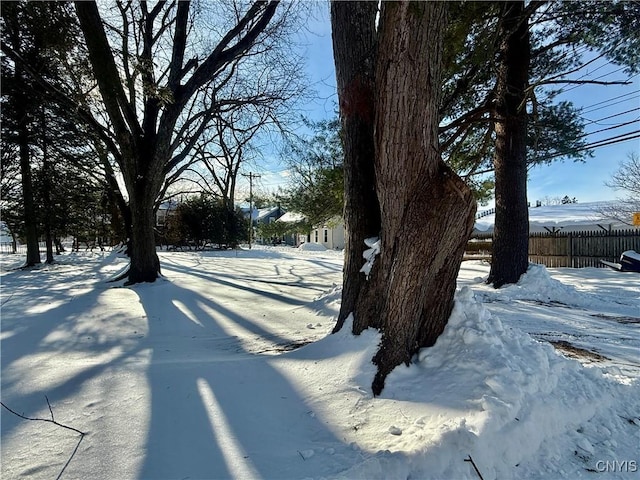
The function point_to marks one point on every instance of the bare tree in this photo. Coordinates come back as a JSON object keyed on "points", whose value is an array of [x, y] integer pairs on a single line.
{"points": [[225, 148], [627, 179], [160, 95]]}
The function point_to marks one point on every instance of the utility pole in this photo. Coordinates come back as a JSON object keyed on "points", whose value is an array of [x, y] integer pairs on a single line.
{"points": [[251, 176]]}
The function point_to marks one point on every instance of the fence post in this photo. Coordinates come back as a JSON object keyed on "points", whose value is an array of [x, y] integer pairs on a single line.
{"points": [[570, 249]]}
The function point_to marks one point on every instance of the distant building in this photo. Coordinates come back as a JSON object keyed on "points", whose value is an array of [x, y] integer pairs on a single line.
{"points": [[330, 235], [568, 217], [165, 210], [267, 215], [294, 219]]}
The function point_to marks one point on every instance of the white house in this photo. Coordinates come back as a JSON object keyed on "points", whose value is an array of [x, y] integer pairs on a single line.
{"points": [[330, 235]]}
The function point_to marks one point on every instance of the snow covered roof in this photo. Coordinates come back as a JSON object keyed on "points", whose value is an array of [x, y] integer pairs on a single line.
{"points": [[262, 213], [571, 217], [258, 214], [292, 217], [168, 205]]}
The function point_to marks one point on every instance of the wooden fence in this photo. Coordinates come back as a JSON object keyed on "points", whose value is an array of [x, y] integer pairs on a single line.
{"points": [[568, 249]]}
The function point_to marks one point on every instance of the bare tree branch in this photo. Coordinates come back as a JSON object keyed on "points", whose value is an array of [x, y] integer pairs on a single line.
{"points": [[54, 422]]}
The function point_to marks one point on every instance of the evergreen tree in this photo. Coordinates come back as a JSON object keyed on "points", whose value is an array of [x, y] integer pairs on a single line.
{"points": [[39, 35], [476, 87], [317, 174]]}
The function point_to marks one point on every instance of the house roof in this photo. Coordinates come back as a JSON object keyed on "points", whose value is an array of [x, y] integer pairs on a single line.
{"points": [[292, 217], [258, 214], [572, 217], [262, 213]]}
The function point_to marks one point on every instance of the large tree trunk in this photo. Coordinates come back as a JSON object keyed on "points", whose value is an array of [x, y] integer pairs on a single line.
{"points": [[47, 173], [510, 257], [354, 44], [145, 264], [426, 211], [120, 212], [30, 226]]}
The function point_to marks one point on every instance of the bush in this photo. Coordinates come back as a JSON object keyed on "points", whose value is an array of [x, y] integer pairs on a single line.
{"points": [[205, 220]]}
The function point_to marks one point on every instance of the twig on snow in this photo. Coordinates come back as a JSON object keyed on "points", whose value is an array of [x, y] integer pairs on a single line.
{"points": [[53, 420], [73, 454], [49, 405], [44, 419], [469, 459], [7, 300]]}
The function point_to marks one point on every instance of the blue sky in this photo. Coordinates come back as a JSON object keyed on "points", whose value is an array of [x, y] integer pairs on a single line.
{"points": [[584, 181]]}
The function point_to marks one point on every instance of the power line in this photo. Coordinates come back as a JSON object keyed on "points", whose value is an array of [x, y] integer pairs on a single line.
{"points": [[588, 108], [608, 128], [624, 137], [611, 104], [611, 116], [613, 140]]}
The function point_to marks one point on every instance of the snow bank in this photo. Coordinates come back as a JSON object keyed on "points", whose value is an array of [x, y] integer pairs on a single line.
{"points": [[537, 285], [495, 395], [312, 247]]}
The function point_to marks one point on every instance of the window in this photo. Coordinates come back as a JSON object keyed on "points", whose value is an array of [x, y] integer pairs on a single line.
{"points": [[326, 235], [316, 236]]}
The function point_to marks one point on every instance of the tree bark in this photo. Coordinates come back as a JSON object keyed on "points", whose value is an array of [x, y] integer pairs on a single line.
{"points": [[145, 264], [426, 211], [510, 257], [354, 45], [47, 173], [30, 222]]}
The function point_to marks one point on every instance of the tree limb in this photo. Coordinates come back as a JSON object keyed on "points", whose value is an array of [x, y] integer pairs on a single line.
{"points": [[52, 420], [221, 56], [120, 112]]}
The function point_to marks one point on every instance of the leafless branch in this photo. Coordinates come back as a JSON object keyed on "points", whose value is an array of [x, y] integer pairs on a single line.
{"points": [[579, 82], [58, 424], [469, 459], [43, 419]]}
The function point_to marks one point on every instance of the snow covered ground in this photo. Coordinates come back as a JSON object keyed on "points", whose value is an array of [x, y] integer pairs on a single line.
{"points": [[225, 369]]}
